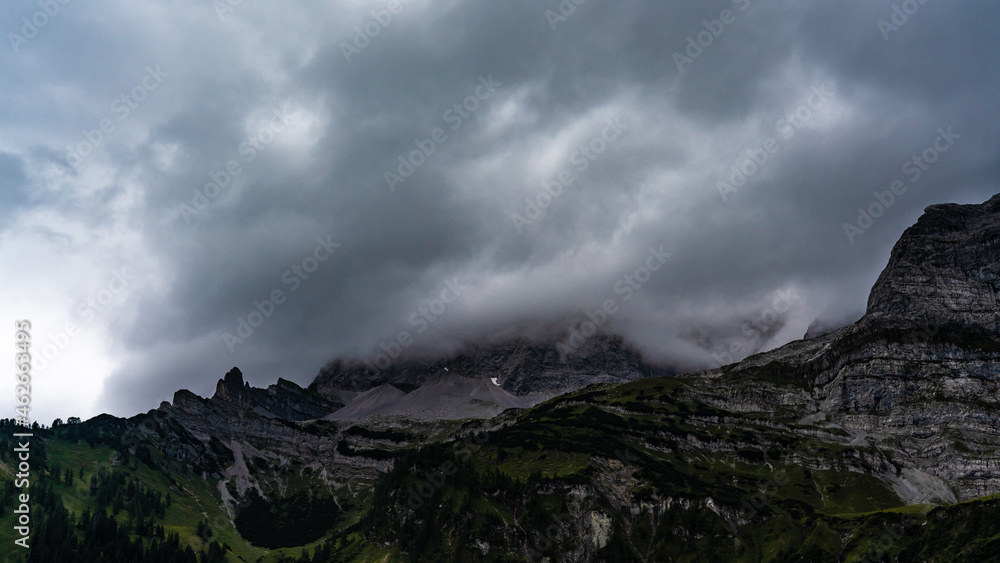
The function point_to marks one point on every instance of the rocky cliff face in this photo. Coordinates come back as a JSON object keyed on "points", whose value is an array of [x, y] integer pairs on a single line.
{"points": [[901, 407], [267, 443], [945, 270], [283, 400], [919, 374], [250, 438]]}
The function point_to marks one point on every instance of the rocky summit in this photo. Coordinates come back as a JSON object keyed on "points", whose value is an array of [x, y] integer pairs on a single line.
{"points": [[944, 271], [877, 441], [918, 377]]}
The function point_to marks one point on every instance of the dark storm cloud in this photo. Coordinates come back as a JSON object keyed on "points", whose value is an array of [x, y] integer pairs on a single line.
{"points": [[323, 173]]}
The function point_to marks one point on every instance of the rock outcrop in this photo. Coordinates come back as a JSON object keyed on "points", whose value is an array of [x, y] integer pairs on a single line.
{"points": [[944, 271], [919, 374], [283, 400]]}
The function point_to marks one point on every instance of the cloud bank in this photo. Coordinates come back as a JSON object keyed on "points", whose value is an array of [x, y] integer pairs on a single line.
{"points": [[313, 180]]}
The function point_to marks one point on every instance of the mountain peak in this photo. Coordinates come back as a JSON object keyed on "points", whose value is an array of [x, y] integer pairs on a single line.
{"points": [[944, 270], [231, 387], [234, 377]]}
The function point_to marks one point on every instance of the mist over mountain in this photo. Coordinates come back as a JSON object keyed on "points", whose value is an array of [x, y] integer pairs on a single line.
{"points": [[212, 154], [875, 441], [534, 280]]}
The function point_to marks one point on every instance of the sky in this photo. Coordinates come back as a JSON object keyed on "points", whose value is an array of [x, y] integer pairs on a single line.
{"points": [[192, 185]]}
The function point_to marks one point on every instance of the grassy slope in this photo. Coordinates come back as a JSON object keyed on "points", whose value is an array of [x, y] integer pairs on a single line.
{"points": [[193, 500]]}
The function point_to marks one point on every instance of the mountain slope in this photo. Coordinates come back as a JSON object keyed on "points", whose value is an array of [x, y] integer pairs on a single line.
{"points": [[879, 441], [919, 374], [776, 458], [375, 401]]}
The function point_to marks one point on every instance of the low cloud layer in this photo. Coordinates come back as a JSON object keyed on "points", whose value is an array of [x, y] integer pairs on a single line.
{"points": [[195, 185]]}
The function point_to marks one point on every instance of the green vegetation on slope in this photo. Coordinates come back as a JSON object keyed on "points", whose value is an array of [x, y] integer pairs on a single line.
{"points": [[639, 472]]}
